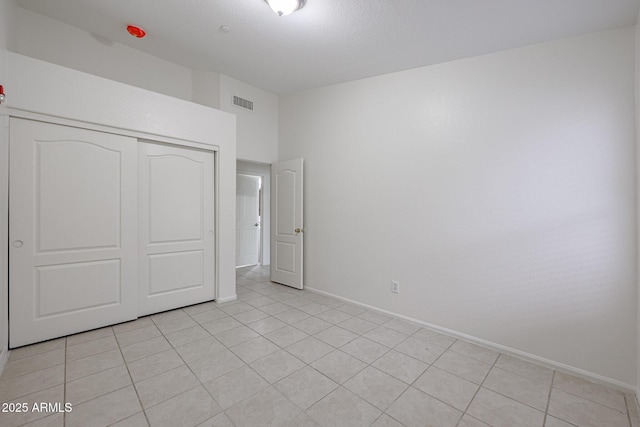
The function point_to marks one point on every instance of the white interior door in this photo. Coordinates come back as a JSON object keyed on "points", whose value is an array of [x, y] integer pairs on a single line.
{"points": [[73, 230], [286, 223], [247, 220], [176, 253]]}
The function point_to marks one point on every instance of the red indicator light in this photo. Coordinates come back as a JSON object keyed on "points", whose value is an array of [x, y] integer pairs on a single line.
{"points": [[136, 31]]}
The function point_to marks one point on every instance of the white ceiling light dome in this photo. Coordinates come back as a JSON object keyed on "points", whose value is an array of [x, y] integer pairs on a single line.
{"points": [[285, 7]]}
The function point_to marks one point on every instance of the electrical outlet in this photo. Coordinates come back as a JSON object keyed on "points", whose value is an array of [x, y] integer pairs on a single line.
{"points": [[395, 287]]}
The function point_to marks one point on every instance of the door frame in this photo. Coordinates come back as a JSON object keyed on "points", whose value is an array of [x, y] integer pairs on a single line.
{"points": [[244, 167], [261, 214]]}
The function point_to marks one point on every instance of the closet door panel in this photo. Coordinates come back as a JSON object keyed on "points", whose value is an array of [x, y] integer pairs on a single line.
{"points": [[73, 229], [176, 226]]}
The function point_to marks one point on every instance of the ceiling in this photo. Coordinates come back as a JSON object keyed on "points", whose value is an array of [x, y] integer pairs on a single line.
{"points": [[332, 41]]}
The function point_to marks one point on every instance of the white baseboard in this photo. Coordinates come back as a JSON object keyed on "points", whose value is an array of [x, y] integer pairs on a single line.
{"points": [[609, 382], [4, 358], [226, 299]]}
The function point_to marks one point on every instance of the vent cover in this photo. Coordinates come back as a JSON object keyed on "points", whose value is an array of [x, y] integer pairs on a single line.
{"points": [[242, 103]]}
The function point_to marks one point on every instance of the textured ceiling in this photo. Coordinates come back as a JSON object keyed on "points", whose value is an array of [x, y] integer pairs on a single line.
{"points": [[332, 41]]}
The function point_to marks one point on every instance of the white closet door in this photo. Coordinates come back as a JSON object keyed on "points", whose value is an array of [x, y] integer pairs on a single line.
{"points": [[177, 261], [73, 230]]}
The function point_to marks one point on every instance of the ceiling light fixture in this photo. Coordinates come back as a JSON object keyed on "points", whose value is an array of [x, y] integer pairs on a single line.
{"points": [[285, 7]]}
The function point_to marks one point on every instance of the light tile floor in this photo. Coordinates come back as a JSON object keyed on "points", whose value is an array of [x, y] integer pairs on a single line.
{"points": [[279, 356]]}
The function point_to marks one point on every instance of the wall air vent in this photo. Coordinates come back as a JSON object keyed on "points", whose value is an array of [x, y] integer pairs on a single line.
{"points": [[242, 103]]}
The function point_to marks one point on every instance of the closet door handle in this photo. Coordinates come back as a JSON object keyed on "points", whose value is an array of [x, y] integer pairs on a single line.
{"points": [[17, 243]]}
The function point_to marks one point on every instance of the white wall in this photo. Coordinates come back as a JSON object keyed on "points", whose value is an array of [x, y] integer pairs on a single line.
{"points": [[264, 171], [44, 38], [499, 190], [205, 88], [637, 93], [257, 129]]}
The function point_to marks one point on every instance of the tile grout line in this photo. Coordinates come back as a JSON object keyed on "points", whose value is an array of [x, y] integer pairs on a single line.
{"points": [[479, 388], [546, 411], [133, 384]]}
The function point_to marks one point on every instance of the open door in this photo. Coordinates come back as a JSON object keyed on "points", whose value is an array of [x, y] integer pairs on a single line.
{"points": [[287, 227]]}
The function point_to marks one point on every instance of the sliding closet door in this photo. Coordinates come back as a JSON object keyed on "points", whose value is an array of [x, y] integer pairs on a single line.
{"points": [[73, 228], [176, 227]]}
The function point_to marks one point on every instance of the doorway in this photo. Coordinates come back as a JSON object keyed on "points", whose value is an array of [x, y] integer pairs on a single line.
{"points": [[252, 213]]}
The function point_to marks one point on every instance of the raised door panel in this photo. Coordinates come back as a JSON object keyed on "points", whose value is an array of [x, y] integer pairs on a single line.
{"points": [[176, 249], [73, 230]]}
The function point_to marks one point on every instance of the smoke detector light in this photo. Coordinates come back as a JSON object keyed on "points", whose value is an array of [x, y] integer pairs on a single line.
{"points": [[285, 7]]}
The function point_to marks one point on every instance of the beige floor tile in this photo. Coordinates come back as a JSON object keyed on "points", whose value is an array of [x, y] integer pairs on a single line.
{"points": [[402, 326], [55, 420], [266, 408], [302, 420], [312, 325], [220, 420], [468, 421], [221, 325], [137, 420], [591, 391], [375, 317], [165, 386], [235, 308], [89, 336], [286, 336], [365, 350], [463, 366], [277, 308], [96, 385], [185, 410], [400, 366], [23, 385], [519, 388], [339, 366], [357, 325], [276, 366], [386, 421], [90, 348], [209, 316], [151, 366], [415, 408], [554, 422], [235, 386], [386, 336], [309, 349], [250, 316], [376, 387], [267, 325], [313, 308], [475, 351], [298, 301], [434, 338], [35, 349], [583, 412], [51, 395], [31, 364], [421, 350], [259, 301], [351, 309], [105, 410], [334, 316], [305, 387], [236, 336], [199, 349], [336, 336], [215, 365], [137, 335], [291, 316], [447, 387], [93, 364], [140, 350], [526, 369], [254, 349], [343, 408], [174, 325], [500, 411]]}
